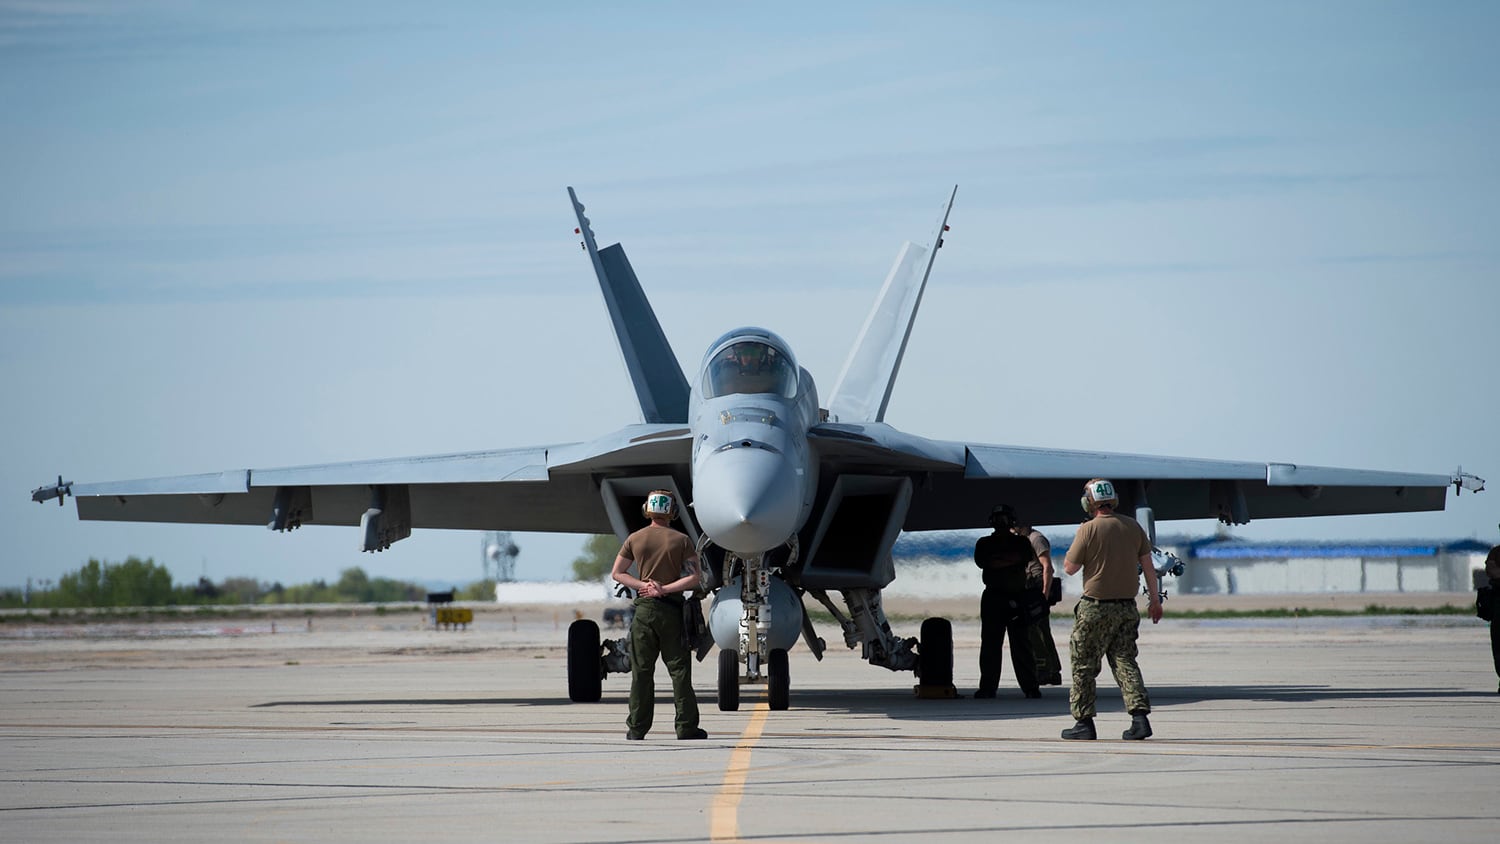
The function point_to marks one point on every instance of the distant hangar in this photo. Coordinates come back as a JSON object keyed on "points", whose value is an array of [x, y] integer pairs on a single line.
{"points": [[1223, 565]]}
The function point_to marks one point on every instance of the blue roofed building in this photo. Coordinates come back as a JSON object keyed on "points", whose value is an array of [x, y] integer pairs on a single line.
{"points": [[1230, 566], [942, 563]]}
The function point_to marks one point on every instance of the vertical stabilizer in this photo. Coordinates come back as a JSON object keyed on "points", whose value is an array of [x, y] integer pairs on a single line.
{"points": [[659, 384], [864, 387]]}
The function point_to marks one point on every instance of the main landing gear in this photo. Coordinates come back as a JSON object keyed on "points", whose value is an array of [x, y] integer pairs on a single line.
{"points": [[757, 649], [590, 660], [935, 660]]}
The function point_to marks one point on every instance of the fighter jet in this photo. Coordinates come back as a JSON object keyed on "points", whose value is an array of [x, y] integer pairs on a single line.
{"points": [[788, 498]]}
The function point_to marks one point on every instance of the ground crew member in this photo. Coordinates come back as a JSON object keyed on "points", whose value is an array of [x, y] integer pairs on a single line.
{"points": [[666, 566], [1109, 549], [1039, 578], [1003, 557], [1492, 571]]}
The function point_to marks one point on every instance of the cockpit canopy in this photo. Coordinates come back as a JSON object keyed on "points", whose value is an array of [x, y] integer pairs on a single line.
{"points": [[749, 360]]}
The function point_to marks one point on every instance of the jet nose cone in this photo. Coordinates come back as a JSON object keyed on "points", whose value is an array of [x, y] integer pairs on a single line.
{"points": [[747, 499]]}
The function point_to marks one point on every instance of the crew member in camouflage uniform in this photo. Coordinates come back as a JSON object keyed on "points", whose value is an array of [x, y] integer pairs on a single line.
{"points": [[1002, 608], [1039, 576], [666, 566], [1109, 549]]}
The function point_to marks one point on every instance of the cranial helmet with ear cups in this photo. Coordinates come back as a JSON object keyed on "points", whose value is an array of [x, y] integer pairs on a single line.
{"points": [[1003, 517], [1096, 492], [659, 504]]}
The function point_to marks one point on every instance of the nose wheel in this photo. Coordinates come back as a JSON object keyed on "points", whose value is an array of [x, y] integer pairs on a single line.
{"points": [[729, 681], [778, 680]]}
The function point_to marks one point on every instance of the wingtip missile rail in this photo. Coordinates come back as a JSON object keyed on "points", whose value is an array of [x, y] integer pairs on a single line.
{"points": [[1461, 481], [60, 490]]}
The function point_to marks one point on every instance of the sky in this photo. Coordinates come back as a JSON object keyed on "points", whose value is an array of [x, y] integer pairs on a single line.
{"points": [[260, 235]]}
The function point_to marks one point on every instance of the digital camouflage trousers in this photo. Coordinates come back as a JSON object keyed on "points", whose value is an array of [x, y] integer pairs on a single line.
{"points": [[1100, 630]]}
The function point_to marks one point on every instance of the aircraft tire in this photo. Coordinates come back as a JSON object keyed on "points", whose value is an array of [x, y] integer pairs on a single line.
{"points": [[778, 681], [935, 654], [729, 681], [585, 671]]}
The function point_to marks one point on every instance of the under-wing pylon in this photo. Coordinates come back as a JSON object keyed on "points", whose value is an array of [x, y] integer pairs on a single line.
{"points": [[789, 499]]}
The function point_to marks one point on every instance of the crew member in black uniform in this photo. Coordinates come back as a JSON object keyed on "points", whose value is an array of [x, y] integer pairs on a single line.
{"points": [[1492, 571], [1003, 557]]}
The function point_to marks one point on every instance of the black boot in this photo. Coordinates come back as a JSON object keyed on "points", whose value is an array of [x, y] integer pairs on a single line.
{"points": [[1082, 731], [1139, 728]]}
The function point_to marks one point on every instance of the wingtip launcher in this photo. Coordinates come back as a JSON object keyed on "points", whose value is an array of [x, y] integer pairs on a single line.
{"points": [[1461, 481], [60, 490]]}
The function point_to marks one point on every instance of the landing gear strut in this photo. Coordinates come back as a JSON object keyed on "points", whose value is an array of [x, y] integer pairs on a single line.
{"points": [[756, 617]]}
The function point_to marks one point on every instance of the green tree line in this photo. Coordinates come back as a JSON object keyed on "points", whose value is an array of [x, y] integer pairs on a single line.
{"points": [[597, 559], [143, 583]]}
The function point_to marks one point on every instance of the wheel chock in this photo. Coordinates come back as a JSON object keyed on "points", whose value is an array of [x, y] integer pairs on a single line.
{"points": [[935, 692]]}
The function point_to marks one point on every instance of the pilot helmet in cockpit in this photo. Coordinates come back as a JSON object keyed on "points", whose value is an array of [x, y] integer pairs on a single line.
{"points": [[751, 357]]}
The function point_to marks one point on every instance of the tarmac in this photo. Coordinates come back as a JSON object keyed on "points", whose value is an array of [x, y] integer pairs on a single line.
{"points": [[379, 727]]}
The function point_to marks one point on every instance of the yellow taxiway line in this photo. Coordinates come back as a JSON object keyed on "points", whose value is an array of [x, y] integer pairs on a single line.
{"points": [[724, 816]]}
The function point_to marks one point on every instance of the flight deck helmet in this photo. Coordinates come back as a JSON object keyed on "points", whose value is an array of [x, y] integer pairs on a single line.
{"points": [[659, 504], [1003, 517], [1098, 492]]}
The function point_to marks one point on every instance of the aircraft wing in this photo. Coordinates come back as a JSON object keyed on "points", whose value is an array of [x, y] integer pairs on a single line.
{"points": [[552, 488], [956, 484]]}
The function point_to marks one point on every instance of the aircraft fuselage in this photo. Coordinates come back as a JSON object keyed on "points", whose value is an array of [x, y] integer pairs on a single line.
{"points": [[754, 477]]}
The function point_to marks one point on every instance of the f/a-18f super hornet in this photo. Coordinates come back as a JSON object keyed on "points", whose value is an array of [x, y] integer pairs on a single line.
{"points": [[789, 497]]}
